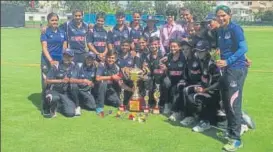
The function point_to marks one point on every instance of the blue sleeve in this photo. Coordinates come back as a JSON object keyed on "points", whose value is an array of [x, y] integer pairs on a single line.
{"points": [[242, 46], [43, 37], [110, 38], [90, 37]]}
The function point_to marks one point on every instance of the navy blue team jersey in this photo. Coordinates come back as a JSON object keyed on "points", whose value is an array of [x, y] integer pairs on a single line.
{"points": [[135, 34], [76, 36], [115, 36], [98, 38], [55, 42], [61, 72], [88, 73]]}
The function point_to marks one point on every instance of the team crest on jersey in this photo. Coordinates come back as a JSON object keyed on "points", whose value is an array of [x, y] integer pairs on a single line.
{"points": [[233, 84], [130, 62], [62, 36], [50, 36], [180, 65], [199, 43], [227, 35]]}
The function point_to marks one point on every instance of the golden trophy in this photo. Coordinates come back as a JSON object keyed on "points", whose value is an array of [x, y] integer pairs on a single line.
{"points": [[135, 103], [156, 97], [146, 99], [122, 107]]}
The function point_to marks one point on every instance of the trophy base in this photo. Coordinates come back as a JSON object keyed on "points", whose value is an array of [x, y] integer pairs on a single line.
{"points": [[122, 108], [135, 105], [156, 111], [146, 110]]}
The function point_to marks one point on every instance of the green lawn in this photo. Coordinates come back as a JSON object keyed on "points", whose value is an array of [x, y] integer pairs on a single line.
{"points": [[23, 129]]}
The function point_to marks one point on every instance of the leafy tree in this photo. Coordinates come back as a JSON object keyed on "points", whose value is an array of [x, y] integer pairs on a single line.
{"points": [[161, 7], [198, 9], [143, 7], [267, 16]]}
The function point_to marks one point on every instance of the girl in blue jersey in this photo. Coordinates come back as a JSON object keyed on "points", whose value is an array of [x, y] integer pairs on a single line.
{"points": [[232, 45], [97, 38], [53, 42]]}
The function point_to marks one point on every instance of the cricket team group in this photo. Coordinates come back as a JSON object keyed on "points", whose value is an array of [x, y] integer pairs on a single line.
{"points": [[198, 67]]}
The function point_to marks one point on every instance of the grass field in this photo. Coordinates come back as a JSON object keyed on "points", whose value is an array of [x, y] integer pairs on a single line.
{"points": [[23, 129]]}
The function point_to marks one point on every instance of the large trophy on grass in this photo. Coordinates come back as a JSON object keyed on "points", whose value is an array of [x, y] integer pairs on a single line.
{"points": [[135, 103]]}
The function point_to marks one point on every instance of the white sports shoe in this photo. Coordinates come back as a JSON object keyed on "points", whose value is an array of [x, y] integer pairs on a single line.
{"points": [[221, 113], [202, 126], [244, 128], [188, 121], [78, 111], [175, 116]]}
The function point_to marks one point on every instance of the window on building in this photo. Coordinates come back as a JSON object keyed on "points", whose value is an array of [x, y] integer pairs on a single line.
{"points": [[43, 18], [249, 3], [30, 18]]}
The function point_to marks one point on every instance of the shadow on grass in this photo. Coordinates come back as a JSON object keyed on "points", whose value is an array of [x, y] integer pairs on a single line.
{"points": [[212, 132], [35, 98]]}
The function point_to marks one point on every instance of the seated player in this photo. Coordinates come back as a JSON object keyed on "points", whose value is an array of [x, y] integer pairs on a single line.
{"points": [[193, 79], [142, 53], [175, 66], [126, 61], [205, 101], [153, 60], [82, 92], [57, 92], [110, 84]]}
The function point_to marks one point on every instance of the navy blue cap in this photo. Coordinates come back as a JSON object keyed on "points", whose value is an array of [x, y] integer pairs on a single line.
{"points": [[151, 18], [202, 45], [90, 55], [210, 16], [69, 52]]}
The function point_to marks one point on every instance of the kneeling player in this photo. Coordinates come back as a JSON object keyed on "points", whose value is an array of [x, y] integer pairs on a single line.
{"points": [[109, 79], [82, 92], [58, 79]]}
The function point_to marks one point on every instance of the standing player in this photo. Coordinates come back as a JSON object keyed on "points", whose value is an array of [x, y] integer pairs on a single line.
{"points": [[136, 31], [232, 45], [119, 32], [151, 30], [186, 15], [97, 38], [54, 41], [169, 31], [76, 31]]}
